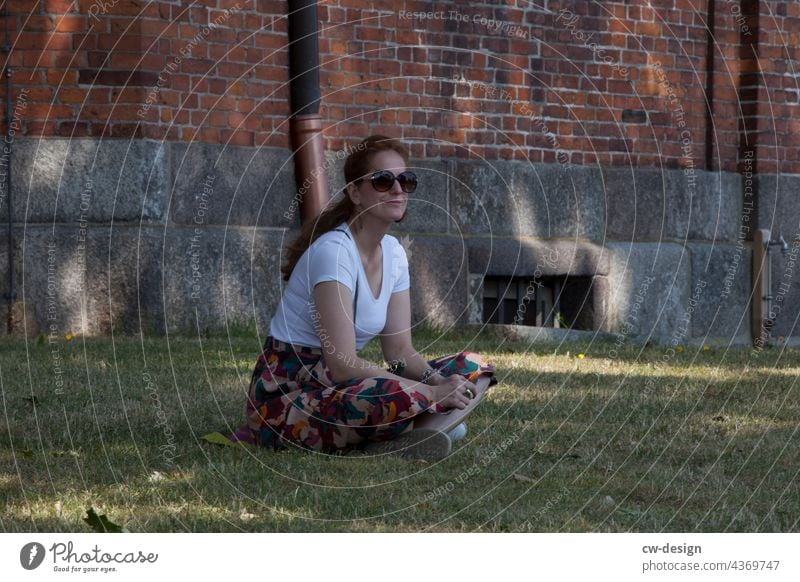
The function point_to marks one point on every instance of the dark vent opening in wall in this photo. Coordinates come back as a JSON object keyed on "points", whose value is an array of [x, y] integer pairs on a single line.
{"points": [[560, 301]]}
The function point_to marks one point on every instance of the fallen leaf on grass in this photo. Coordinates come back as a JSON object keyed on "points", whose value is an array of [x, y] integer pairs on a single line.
{"points": [[101, 524], [216, 438], [607, 501]]}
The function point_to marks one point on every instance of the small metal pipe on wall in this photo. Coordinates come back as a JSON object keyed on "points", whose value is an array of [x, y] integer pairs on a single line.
{"points": [[11, 293], [305, 124]]}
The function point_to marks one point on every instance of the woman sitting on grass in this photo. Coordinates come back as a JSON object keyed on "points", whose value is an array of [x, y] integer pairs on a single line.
{"points": [[348, 282]]}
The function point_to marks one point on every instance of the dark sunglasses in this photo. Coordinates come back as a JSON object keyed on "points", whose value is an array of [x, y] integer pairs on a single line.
{"points": [[383, 181]]}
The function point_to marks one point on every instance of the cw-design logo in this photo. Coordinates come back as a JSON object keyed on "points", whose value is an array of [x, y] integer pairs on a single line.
{"points": [[31, 556]]}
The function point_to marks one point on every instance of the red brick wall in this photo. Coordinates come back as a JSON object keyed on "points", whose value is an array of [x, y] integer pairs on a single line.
{"points": [[490, 80], [779, 92], [155, 70]]}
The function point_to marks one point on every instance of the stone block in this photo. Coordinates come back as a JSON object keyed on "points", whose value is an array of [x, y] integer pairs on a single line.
{"points": [[785, 292], [650, 205], [778, 205], [60, 180], [131, 280], [721, 286], [220, 277], [97, 282], [648, 292], [232, 185], [533, 200], [439, 286], [533, 258]]}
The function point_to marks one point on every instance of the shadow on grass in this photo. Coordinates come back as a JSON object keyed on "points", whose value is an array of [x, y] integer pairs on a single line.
{"points": [[562, 444]]}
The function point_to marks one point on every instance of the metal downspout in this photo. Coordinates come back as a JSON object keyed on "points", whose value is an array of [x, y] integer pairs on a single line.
{"points": [[11, 294], [305, 123]]}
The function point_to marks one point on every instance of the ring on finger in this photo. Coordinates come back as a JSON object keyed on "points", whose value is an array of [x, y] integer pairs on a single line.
{"points": [[469, 393]]}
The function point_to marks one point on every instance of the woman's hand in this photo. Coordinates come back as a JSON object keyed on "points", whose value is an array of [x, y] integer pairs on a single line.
{"points": [[454, 392]]}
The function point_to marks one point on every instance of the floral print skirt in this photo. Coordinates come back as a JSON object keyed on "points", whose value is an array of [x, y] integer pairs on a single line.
{"points": [[292, 400]]}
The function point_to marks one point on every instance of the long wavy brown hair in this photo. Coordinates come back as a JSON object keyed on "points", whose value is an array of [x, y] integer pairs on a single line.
{"points": [[356, 166]]}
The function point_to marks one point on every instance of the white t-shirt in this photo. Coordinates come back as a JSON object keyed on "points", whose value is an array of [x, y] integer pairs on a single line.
{"points": [[335, 257]]}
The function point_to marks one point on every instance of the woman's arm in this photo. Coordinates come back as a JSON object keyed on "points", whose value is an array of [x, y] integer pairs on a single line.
{"points": [[399, 352], [333, 323]]}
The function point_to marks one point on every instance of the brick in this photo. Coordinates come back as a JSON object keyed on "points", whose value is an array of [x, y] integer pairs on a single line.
{"points": [[40, 128], [38, 94], [201, 66], [44, 111], [116, 78], [237, 70], [148, 62], [419, 74], [237, 137], [61, 77], [39, 23], [127, 42], [74, 129], [69, 94], [35, 40], [57, 6], [209, 102]]}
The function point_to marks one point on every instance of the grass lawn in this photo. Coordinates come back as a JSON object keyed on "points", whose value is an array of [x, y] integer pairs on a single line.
{"points": [[575, 438]]}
